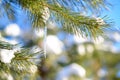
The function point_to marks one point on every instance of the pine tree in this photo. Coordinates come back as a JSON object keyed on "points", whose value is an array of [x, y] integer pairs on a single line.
{"points": [[22, 62]]}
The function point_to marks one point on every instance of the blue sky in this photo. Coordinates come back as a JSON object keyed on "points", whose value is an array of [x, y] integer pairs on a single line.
{"points": [[114, 12]]}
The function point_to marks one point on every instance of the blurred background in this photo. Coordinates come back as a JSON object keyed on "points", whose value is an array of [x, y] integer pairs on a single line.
{"points": [[69, 56]]}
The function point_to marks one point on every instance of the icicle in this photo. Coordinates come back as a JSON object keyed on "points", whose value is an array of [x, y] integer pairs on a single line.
{"points": [[45, 36], [45, 16]]}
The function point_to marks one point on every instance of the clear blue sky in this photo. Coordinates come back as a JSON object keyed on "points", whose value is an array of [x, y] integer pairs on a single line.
{"points": [[114, 12]]}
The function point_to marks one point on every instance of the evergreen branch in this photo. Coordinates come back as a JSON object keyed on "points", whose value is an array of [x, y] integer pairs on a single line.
{"points": [[80, 5], [79, 24], [71, 22], [93, 5], [35, 9], [20, 64], [25, 54], [6, 45]]}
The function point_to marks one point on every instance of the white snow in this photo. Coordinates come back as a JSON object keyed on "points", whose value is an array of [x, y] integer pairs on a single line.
{"points": [[6, 55], [81, 49], [54, 44], [12, 30], [89, 48], [69, 70], [8, 76], [45, 14]]}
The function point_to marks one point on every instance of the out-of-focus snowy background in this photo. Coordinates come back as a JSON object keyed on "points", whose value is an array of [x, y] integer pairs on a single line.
{"points": [[69, 57]]}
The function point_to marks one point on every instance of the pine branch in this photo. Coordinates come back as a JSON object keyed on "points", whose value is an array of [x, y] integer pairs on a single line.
{"points": [[6, 45], [21, 64], [78, 24], [71, 21], [80, 5], [36, 10]]}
